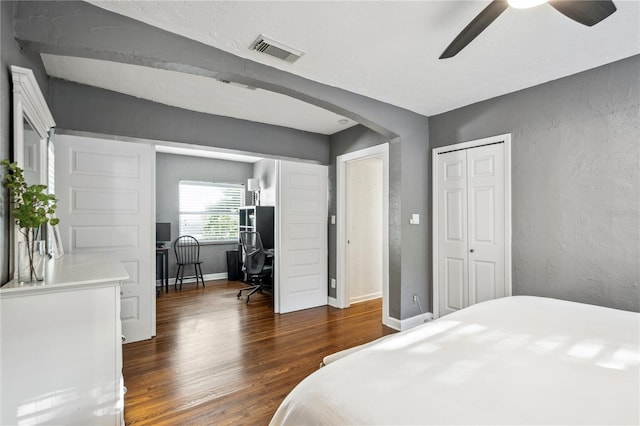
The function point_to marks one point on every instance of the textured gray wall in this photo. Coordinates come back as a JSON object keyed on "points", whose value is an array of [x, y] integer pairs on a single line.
{"points": [[10, 54], [170, 169], [576, 182], [85, 108], [81, 29]]}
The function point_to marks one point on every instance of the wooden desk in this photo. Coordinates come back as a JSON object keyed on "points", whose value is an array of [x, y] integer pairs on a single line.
{"points": [[163, 253]]}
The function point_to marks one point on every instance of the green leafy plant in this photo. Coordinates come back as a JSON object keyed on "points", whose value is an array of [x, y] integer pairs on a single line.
{"points": [[31, 206]]}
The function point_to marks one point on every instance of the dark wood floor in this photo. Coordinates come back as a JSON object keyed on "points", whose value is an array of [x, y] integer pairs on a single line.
{"points": [[216, 360]]}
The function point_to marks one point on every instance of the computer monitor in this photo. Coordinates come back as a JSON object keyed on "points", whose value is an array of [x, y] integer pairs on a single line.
{"points": [[163, 233]]}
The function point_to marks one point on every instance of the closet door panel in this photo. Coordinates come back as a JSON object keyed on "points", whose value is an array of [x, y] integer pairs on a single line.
{"points": [[486, 200], [452, 232]]}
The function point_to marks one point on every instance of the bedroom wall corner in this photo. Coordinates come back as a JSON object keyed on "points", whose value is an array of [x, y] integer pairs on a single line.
{"points": [[575, 181]]}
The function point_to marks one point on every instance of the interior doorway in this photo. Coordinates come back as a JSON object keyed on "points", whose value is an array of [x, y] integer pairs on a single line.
{"points": [[364, 229], [362, 267]]}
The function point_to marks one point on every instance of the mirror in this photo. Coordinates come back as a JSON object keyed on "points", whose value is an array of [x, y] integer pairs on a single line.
{"points": [[32, 155], [32, 122]]}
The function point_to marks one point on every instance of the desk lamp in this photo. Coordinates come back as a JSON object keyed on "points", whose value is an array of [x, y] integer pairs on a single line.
{"points": [[253, 185]]}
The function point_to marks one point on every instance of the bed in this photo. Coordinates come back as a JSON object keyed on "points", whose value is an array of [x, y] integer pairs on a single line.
{"points": [[515, 360]]}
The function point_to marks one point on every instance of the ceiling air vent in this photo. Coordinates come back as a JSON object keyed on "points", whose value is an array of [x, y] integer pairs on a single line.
{"points": [[277, 50]]}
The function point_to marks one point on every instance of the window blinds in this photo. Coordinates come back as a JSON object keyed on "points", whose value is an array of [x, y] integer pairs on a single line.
{"points": [[209, 211]]}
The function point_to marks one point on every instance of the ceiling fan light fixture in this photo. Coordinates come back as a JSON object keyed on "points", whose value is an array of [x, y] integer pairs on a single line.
{"points": [[525, 4]]}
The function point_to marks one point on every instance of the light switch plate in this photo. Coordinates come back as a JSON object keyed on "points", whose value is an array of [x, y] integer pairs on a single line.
{"points": [[415, 219]]}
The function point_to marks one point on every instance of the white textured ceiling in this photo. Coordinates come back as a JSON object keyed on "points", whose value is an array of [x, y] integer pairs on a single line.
{"points": [[388, 50]]}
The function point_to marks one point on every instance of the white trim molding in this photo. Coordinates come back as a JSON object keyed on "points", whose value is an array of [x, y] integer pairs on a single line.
{"points": [[407, 323], [342, 294], [206, 277], [31, 102], [28, 105]]}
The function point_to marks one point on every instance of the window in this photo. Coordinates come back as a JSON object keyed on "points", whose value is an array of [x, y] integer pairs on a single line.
{"points": [[209, 211]]}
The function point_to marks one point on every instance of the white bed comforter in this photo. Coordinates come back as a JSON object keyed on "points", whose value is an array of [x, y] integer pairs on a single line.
{"points": [[516, 360]]}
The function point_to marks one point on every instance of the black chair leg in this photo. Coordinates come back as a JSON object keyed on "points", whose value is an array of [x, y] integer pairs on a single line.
{"points": [[256, 289], [251, 287], [195, 272], [199, 271], [175, 284], [181, 277]]}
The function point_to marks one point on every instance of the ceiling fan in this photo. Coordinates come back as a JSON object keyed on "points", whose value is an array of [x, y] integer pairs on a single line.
{"points": [[586, 12]]}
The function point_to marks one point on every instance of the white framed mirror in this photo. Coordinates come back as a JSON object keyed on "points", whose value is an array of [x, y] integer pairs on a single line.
{"points": [[32, 121]]}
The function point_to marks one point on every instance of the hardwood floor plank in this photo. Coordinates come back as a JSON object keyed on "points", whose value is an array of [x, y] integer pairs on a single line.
{"points": [[217, 360]]}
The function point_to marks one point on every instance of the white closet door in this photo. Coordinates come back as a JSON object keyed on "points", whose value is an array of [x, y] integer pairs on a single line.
{"points": [[105, 190], [301, 248], [452, 232], [486, 211], [471, 227]]}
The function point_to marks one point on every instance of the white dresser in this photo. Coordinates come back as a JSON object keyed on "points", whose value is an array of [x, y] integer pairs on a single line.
{"points": [[61, 345]]}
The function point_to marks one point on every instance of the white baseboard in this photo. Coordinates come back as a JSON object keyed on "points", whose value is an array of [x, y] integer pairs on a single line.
{"points": [[218, 276], [332, 301], [408, 323], [207, 277], [366, 297]]}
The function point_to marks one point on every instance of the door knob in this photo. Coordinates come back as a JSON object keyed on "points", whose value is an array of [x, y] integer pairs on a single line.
{"points": [[471, 251]]}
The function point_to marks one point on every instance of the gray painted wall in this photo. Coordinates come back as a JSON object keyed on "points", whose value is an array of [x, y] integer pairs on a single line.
{"points": [[170, 169], [543, 120], [10, 54], [576, 182], [85, 108], [81, 29]]}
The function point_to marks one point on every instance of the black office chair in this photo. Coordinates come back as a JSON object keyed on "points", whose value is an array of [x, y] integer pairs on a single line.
{"points": [[187, 250], [258, 273]]}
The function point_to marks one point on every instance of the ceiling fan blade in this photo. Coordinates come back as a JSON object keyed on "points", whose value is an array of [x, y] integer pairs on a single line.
{"points": [[475, 27], [586, 12]]}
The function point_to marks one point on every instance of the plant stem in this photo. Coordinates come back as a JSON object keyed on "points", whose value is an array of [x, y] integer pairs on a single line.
{"points": [[31, 245]]}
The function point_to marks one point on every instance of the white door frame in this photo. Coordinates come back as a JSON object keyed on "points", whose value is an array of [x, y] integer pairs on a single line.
{"points": [[506, 138], [342, 293]]}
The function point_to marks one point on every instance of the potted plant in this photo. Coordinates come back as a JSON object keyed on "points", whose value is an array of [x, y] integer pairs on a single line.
{"points": [[32, 208]]}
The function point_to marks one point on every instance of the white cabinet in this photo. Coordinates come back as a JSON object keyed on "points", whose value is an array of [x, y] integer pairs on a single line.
{"points": [[61, 351]]}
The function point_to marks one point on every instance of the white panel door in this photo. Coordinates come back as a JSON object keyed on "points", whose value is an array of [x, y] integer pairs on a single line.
{"points": [[486, 207], [364, 229], [471, 227], [452, 232], [301, 242], [105, 191]]}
